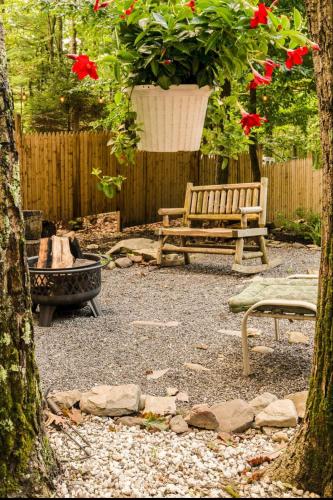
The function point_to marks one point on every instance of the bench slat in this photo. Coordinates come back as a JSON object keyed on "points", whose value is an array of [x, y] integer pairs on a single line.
{"points": [[204, 209], [194, 203], [219, 187], [223, 201], [235, 201]]}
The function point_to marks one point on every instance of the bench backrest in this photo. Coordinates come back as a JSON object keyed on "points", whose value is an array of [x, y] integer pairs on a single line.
{"points": [[222, 202]]}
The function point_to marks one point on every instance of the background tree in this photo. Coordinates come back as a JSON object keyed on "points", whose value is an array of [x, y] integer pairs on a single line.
{"points": [[26, 462], [309, 459]]}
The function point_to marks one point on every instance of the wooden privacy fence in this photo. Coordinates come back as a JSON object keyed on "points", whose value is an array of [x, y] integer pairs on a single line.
{"points": [[56, 178]]}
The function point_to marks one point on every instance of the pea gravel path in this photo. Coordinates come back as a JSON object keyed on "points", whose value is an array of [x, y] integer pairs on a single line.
{"points": [[80, 352]]}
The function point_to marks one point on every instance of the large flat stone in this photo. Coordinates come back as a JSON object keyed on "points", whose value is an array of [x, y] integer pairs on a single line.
{"points": [[201, 416], [280, 413], [261, 402], [111, 401], [299, 399], [160, 405], [66, 399], [233, 416], [139, 246]]}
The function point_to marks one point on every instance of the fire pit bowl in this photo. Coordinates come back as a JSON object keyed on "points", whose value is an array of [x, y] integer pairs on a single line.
{"points": [[56, 288]]}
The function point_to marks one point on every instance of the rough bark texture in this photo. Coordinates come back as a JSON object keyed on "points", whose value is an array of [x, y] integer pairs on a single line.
{"points": [[309, 459], [26, 461]]}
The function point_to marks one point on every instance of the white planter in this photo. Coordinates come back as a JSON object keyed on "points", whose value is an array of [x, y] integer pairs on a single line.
{"points": [[172, 120]]}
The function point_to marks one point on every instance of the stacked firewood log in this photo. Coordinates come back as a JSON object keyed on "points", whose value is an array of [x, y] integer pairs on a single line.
{"points": [[60, 252]]}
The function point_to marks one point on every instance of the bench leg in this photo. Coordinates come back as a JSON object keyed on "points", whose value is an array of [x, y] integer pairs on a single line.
{"points": [[187, 259], [245, 346], [159, 256], [262, 245], [239, 251]]}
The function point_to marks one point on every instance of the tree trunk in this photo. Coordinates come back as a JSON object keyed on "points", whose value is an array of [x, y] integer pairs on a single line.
{"points": [[26, 461], [309, 459], [253, 148]]}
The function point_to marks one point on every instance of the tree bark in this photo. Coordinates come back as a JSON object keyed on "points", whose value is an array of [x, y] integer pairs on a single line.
{"points": [[309, 459], [26, 462], [253, 148]]}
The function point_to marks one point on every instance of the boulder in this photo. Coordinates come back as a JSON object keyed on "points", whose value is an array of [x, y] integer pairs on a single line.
{"points": [[124, 262], [178, 425], [280, 413], [160, 405], [233, 416], [299, 399], [66, 399], [111, 401], [259, 403], [135, 258], [201, 416], [297, 338], [139, 246]]}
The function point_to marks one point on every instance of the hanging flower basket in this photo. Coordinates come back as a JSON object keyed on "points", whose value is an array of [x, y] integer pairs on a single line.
{"points": [[171, 120]]}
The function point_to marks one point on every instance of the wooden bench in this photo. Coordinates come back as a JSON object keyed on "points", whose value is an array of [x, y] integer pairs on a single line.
{"points": [[238, 214]]}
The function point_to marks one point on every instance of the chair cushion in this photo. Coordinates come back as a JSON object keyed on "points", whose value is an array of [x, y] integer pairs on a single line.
{"points": [[274, 289]]}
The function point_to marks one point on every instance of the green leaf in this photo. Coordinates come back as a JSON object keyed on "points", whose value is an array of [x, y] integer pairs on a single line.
{"points": [[118, 98], [298, 21], [154, 67], [164, 82], [160, 20]]}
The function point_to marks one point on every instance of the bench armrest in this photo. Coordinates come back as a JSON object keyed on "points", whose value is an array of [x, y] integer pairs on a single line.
{"points": [[171, 211], [166, 212], [249, 210]]}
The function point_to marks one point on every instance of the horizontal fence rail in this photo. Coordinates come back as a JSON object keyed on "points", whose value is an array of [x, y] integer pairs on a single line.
{"points": [[56, 178]]}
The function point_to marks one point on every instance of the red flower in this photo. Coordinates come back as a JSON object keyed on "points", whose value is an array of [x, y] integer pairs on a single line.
{"points": [[84, 67], [250, 120], [315, 46], [128, 11], [258, 80], [167, 61], [260, 15], [270, 67], [191, 5], [99, 5], [296, 56]]}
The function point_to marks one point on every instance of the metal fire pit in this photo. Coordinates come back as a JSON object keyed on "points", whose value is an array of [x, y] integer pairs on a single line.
{"points": [[56, 288]]}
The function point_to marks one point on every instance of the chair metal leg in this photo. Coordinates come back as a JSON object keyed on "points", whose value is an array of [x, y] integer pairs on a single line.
{"points": [[245, 346], [95, 308], [46, 315], [277, 328]]}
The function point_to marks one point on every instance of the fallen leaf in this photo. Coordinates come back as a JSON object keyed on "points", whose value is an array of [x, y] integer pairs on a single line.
{"points": [[75, 416], [256, 476], [52, 419], [203, 347], [259, 460], [226, 438], [231, 491]]}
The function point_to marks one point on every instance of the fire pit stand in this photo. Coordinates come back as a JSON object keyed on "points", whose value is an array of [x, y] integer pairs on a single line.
{"points": [[56, 288]]}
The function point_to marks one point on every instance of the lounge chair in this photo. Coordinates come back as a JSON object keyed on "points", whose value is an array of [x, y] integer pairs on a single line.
{"points": [[293, 298]]}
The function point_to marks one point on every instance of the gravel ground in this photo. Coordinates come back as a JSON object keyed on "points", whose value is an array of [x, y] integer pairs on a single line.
{"points": [[78, 352], [129, 462]]}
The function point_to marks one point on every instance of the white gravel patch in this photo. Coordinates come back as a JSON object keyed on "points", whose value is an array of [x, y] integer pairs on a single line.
{"points": [[131, 462]]}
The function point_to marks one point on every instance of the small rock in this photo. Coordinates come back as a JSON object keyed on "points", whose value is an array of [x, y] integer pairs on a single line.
{"points": [[131, 421], [231, 333], [66, 399], [136, 259], [261, 402], [202, 417], [173, 259], [172, 391], [182, 397], [233, 416], [111, 401], [299, 399], [280, 413], [253, 332], [124, 262], [262, 349], [269, 431], [160, 405], [280, 437], [93, 246], [297, 245], [178, 425], [157, 374], [111, 265], [166, 324], [196, 367], [297, 338], [202, 347]]}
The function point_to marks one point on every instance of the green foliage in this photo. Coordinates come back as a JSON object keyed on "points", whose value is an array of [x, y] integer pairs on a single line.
{"points": [[109, 185], [306, 225]]}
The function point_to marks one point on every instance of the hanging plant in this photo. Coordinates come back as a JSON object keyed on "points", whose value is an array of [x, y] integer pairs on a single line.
{"points": [[163, 46]]}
